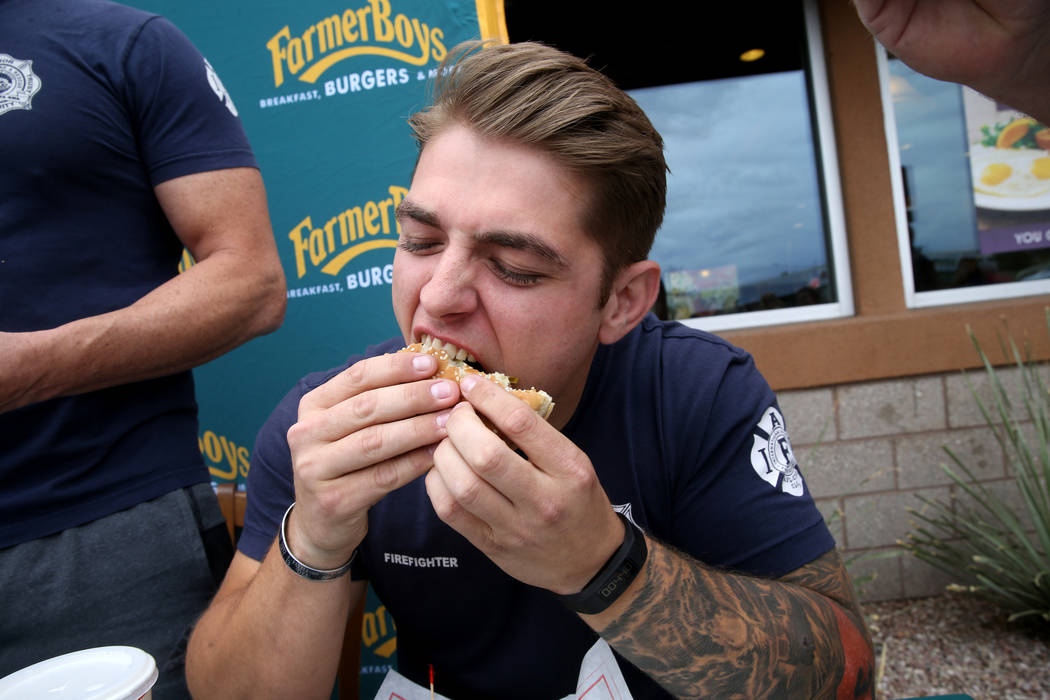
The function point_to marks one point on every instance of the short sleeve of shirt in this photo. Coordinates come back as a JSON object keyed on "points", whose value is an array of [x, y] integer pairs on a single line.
{"points": [[745, 496], [678, 424], [185, 119]]}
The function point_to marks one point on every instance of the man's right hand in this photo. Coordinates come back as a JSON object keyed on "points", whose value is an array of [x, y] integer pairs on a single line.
{"points": [[366, 432]]}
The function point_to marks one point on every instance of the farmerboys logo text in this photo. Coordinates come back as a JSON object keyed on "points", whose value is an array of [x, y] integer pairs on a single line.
{"points": [[336, 240], [328, 243], [373, 29]]}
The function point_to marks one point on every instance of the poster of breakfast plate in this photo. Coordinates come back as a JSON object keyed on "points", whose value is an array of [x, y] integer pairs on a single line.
{"points": [[1010, 170]]}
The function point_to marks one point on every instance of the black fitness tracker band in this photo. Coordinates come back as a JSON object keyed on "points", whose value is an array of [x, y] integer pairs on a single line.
{"points": [[613, 578]]}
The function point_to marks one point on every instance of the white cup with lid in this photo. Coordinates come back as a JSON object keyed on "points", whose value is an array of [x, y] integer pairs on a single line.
{"points": [[102, 673]]}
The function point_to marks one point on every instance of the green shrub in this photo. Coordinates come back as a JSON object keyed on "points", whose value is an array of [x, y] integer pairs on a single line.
{"points": [[991, 547]]}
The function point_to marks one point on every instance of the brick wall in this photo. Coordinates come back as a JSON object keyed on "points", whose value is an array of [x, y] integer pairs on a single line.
{"points": [[867, 449]]}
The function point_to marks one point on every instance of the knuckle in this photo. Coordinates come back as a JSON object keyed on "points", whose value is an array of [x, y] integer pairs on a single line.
{"points": [[468, 494], [513, 540], [510, 538], [305, 468], [443, 448], [371, 442], [305, 459], [441, 510], [518, 421], [550, 511], [489, 459], [297, 434], [356, 375], [446, 509], [385, 476], [306, 405], [397, 472], [329, 502], [363, 406], [580, 473]]}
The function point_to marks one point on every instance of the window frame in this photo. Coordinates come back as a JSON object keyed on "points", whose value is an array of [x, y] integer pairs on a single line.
{"points": [[884, 339], [941, 297], [832, 204]]}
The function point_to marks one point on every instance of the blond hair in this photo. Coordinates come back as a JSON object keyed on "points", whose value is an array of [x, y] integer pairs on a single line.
{"points": [[534, 95]]}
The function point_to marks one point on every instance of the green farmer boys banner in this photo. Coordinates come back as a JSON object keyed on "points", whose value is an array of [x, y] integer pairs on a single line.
{"points": [[323, 88]]}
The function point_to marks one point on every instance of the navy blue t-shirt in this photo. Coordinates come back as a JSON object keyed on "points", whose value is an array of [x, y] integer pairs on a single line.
{"points": [[687, 440], [99, 103]]}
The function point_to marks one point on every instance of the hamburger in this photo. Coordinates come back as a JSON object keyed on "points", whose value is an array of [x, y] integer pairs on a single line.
{"points": [[455, 363]]}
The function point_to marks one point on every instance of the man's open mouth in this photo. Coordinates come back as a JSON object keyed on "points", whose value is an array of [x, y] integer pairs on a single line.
{"points": [[454, 353]]}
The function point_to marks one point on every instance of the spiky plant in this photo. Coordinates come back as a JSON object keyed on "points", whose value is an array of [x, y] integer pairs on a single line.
{"points": [[990, 546]]}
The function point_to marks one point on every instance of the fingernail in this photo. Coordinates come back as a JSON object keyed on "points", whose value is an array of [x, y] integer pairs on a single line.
{"points": [[442, 418], [441, 390], [421, 363], [467, 383]]}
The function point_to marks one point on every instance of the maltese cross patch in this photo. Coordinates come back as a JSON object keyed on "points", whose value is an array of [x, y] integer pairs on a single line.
{"points": [[771, 455]]}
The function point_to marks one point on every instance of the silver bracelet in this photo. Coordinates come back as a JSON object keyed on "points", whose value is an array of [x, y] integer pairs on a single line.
{"points": [[301, 569]]}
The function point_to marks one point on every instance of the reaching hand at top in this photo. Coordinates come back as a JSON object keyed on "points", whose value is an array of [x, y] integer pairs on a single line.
{"points": [[998, 47]]}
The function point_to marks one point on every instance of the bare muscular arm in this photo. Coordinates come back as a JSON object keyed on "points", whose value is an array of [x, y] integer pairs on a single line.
{"points": [[234, 293], [270, 633], [359, 436], [702, 632]]}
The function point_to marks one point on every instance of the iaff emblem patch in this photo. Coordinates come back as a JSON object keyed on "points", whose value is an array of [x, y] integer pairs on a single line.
{"points": [[218, 88], [18, 83], [771, 454]]}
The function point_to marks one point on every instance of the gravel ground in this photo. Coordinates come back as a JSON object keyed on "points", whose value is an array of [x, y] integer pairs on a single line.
{"points": [[957, 643]]}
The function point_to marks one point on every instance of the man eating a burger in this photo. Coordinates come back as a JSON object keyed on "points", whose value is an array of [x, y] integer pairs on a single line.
{"points": [[658, 509]]}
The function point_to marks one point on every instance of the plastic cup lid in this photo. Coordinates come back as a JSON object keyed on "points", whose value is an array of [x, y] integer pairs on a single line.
{"points": [[104, 673]]}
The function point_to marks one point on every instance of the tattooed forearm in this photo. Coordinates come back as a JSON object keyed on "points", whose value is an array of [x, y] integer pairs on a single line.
{"points": [[701, 632]]}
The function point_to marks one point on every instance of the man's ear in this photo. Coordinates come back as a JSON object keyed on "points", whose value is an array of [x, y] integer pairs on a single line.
{"points": [[633, 293]]}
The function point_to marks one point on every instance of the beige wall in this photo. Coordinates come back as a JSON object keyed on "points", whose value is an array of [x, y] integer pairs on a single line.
{"points": [[868, 449]]}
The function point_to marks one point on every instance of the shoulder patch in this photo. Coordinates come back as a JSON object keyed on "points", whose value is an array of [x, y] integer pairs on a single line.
{"points": [[771, 454], [18, 83], [218, 88]]}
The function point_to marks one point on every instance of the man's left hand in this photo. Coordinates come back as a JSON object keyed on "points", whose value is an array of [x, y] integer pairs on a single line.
{"points": [[544, 519]]}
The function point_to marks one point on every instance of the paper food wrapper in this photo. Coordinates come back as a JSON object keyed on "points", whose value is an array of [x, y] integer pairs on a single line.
{"points": [[600, 679]]}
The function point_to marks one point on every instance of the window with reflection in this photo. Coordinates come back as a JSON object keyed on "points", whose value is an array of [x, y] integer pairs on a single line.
{"points": [[751, 233], [744, 228], [973, 178]]}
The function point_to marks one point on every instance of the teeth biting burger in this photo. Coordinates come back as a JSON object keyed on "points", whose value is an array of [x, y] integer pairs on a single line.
{"points": [[455, 363]]}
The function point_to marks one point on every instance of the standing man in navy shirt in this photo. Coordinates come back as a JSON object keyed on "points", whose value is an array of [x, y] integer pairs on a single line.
{"points": [[660, 511], [120, 147]]}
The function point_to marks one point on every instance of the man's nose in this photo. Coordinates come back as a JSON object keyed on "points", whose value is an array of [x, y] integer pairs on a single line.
{"points": [[450, 289]]}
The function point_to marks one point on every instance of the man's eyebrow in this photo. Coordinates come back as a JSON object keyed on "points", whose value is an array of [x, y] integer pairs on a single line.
{"points": [[527, 242], [407, 209], [515, 240]]}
